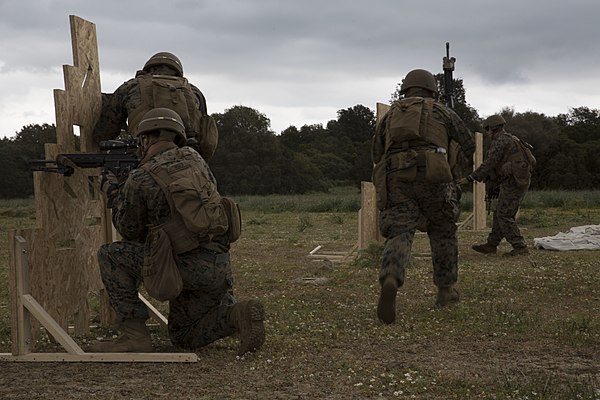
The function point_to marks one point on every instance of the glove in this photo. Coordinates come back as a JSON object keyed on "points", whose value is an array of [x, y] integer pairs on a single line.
{"points": [[109, 183], [465, 181]]}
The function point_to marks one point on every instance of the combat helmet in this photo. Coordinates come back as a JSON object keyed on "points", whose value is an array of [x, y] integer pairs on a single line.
{"points": [[493, 120], [419, 78], [165, 120], [165, 58]]}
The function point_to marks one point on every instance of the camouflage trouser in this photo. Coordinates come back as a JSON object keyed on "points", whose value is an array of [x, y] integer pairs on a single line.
{"points": [[407, 202], [197, 317], [504, 224]]}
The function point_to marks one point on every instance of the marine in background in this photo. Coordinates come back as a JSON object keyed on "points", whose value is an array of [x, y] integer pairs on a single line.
{"points": [[507, 167]]}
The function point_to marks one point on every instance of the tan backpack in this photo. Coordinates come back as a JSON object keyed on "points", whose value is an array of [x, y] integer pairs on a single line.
{"points": [[208, 137], [520, 164], [410, 120], [172, 92], [197, 212]]}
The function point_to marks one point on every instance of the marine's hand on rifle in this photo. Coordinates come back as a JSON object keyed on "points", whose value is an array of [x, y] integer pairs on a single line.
{"points": [[109, 183], [465, 181]]}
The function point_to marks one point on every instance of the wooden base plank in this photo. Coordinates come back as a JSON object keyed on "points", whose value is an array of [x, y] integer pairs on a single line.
{"points": [[154, 311], [101, 357], [333, 256], [50, 324]]}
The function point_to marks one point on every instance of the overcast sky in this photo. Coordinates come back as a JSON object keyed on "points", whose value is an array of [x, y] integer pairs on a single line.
{"points": [[299, 62]]}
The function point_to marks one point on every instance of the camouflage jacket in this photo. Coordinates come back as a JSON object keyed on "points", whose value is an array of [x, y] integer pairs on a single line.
{"points": [[501, 148]]}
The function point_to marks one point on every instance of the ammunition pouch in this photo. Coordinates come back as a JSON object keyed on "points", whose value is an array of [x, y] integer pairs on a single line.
{"points": [[521, 171], [234, 218], [402, 166], [160, 273], [437, 169]]}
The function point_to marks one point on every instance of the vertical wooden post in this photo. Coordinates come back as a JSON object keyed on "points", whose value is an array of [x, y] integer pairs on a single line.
{"points": [[18, 277], [479, 211], [368, 216]]}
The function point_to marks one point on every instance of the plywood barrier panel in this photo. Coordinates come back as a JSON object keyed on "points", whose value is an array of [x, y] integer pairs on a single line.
{"points": [[70, 211]]}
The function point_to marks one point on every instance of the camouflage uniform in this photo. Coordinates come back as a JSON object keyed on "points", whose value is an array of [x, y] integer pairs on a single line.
{"points": [[125, 103], [511, 193], [198, 316], [408, 201]]}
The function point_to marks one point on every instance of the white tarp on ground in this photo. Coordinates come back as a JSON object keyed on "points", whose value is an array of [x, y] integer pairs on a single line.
{"points": [[586, 237]]}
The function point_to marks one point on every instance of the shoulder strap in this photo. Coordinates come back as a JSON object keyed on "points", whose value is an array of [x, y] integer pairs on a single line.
{"points": [[158, 174], [182, 239]]}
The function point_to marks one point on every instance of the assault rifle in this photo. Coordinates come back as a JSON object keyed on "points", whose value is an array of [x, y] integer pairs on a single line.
{"points": [[492, 190], [120, 157], [448, 66]]}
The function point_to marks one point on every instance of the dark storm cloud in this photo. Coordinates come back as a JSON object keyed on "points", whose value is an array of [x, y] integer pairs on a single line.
{"points": [[313, 57]]}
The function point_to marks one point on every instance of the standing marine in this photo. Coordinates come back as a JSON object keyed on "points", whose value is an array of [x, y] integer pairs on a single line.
{"points": [[413, 179], [508, 165]]}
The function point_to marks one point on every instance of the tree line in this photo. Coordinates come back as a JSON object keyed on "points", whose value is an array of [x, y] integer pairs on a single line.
{"points": [[252, 159]]}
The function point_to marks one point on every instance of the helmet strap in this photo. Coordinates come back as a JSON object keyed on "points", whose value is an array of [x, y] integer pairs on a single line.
{"points": [[146, 141], [496, 130], [154, 145]]}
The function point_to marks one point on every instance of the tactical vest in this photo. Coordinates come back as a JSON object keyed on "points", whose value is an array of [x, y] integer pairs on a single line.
{"points": [[411, 123], [197, 212], [172, 92]]}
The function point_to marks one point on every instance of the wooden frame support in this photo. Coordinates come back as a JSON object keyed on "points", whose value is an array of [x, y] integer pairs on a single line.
{"points": [[153, 311], [318, 254], [24, 306], [478, 218], [479, 211], [368, 216]]}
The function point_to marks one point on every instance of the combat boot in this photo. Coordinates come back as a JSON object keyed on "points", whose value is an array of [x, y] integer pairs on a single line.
{"points": [[446, 296], [386, 307], [485, 248], [517, 251], [135, 338], [247, 317]]}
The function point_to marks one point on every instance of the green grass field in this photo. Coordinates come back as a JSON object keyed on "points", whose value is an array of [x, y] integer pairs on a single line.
{"points": [[526, 328]]}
